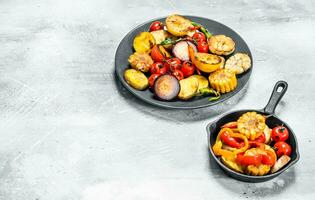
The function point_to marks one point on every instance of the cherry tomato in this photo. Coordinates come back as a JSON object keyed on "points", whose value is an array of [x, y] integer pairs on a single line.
{"points": [[248, 160], [203, 47], [199, 37], [279, 133], [152, 79], [156, 54], [282, 148], [188, 68], [173, 64], [158, 68], [157, 25], [178, 74]]}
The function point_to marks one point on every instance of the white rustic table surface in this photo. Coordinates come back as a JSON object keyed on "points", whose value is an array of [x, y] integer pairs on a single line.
{"points": [[69, 130]]}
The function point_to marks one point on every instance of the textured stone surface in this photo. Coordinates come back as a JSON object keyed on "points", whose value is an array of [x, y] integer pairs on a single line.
{"points": [[70, 131]]}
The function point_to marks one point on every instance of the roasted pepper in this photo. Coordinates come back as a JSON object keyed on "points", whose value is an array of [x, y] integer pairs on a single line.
{"points": [[231, 155]]}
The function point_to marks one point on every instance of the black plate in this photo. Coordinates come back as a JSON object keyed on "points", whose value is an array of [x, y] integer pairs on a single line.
{"points": [[125, 49], [272, 121]]}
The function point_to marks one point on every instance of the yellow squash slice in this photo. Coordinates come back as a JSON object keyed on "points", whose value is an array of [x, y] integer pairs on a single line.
{"points": [[204, 61], [143, 42]]}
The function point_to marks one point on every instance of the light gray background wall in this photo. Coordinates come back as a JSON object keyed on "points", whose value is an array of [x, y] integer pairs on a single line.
{"points": [[68, 133]]}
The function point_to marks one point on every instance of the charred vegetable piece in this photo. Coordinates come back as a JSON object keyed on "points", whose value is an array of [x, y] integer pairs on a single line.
{"points": [[209, 92], [202, 29], [251, 124], [136, 79], [238, 63], [281, 162], [223, 80], [188, 88], [159, 53], [232, 165], [143, 42], [180, 50], [204, 61], [166, 87], [221, 45], [160, 35], [178, 25], [202, 82], [140, 61]]}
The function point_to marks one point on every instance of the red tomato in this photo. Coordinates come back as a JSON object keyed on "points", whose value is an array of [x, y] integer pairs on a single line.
{"points": [[158, 68], [188, 68], [203, 47], [152, 79], [156, 54], [199, 37], [173, 64], [283, 148], [279, 133], [178, 74], [157, 25]]}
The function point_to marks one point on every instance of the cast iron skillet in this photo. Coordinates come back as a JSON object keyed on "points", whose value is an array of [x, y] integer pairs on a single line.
{"points": [[272, 121], [125, 49]]}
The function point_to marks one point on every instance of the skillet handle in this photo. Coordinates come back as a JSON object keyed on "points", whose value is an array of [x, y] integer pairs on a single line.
{"points": [[276, 96]]}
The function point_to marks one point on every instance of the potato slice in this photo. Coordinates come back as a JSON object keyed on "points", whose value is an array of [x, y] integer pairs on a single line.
{"points": [[143, 42], [202, 81], [178, 25], [160, 35], [136, 79], [188, 88]]}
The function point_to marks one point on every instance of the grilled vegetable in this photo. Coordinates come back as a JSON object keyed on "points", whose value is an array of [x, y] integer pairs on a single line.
{"points": [[279, 133], [221, 45], [180, 50], [209, 91], [166, 87], [188, 69], [157, 25], [281, 162], [136, 79], [178, 25], [143, 42], [202, 29], [205, 62], [232, 165], [251, 124], [152, 79], [283, 148], [223, 80], [159, 54], [140, 61], [267, 133], [188, 88], [238, 63], [160, 35], [202, 81]]}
